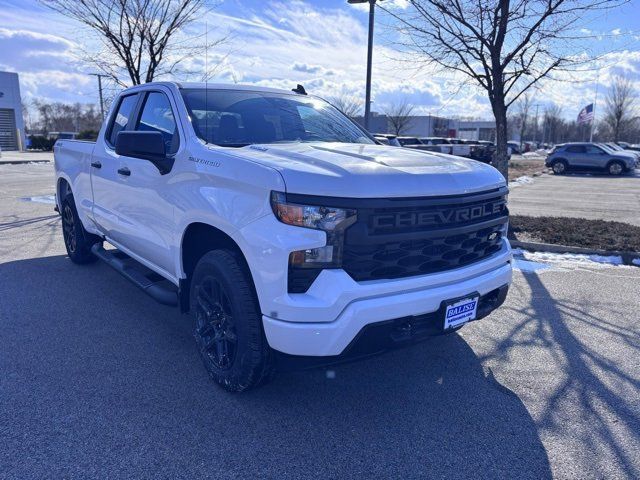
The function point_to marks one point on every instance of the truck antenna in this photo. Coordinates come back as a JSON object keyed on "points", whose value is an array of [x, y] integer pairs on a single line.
{"points": [[299, 89], [206, 80]]}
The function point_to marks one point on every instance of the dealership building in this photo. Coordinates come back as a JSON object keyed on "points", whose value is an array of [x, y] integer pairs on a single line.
{"points": [[11, 124]]}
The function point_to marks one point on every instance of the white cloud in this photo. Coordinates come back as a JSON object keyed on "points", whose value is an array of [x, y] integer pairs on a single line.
{"points": [[285, 43]]}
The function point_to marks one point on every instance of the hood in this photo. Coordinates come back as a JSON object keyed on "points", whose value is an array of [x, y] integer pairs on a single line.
{"points": [[622, 153], [368, 171]]}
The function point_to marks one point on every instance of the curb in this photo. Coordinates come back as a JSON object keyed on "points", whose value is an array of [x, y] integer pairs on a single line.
{"points": [[21, 162], [627, 256]]}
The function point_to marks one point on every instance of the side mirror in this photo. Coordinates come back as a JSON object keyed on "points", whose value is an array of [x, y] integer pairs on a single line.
{"points": [[145, 145]]}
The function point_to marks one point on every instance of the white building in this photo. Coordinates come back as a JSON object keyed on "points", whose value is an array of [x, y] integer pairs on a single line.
{"points": [[476, 130], [11, 124]]}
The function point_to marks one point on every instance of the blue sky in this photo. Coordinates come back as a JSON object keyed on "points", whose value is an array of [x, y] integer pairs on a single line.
{"points": [[320, 43]]}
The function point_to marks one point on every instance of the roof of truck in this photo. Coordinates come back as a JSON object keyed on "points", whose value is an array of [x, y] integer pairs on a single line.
{"points": [[223, 86]]}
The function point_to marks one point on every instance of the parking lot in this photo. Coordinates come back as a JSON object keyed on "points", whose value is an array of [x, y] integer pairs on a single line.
{"points": [[592, 196], [99, 380]]}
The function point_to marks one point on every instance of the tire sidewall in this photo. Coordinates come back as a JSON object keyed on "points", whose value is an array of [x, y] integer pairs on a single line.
{"points": [[82, 253], [246, 316]]}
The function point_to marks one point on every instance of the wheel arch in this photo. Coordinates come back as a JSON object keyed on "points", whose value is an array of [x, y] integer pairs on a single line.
{"points": [[63, 188], [197, 239], [616, 160]]}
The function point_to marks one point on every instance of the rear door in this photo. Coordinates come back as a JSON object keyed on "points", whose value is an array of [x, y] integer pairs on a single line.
{"points": [[576, 155], [105, 164]]}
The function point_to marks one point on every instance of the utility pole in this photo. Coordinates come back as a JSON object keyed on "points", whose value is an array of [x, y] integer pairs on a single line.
{"points": [[100, 75], [535, 131], [367, 102], [595, 103]]}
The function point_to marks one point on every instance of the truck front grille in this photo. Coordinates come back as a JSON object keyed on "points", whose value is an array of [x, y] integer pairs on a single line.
{"points": [[409, 237]]}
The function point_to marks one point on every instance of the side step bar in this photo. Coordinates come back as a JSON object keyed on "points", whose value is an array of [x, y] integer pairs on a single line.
{"points": [[154, 285]]}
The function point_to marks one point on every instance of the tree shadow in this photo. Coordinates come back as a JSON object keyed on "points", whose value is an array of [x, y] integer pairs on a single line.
{"points": [[592, 399], [98, 377]]}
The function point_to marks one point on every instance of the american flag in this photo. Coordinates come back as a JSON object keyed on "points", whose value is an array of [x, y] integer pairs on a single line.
{"points": [[586, 114]]}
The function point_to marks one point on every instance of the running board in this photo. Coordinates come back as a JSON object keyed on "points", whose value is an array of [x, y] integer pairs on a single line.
{"points": [[153, 284]]}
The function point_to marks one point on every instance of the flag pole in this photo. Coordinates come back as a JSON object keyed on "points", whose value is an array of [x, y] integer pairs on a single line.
{"points": [[595, 103]]}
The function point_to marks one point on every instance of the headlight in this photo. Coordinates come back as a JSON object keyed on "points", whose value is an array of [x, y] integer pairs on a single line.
{"points": [[310, 216], [305, 265]]}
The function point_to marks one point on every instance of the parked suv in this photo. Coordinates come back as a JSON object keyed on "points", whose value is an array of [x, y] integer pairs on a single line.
{"points": [[589, 156]]}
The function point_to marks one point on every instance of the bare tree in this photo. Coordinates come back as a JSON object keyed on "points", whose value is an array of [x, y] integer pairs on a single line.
{"points": [[619, 107], [350, 105], [523, 106], [554, 126], [64, 117], [399, 116], [140, 37], [503, 46]]}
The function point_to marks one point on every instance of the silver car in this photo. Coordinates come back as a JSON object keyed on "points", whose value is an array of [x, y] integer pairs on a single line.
{"points": [[589, 156]]}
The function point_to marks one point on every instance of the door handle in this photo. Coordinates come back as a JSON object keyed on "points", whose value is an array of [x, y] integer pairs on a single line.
{"points": [[124, 171], [96, 164]]}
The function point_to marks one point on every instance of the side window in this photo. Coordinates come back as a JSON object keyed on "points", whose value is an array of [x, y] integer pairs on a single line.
{"points": [[157, 116], [576, 149], [121, 117], [593, 150]]}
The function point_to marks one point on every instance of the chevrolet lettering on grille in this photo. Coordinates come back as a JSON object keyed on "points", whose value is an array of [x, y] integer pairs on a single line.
{"points": [[403, 220]]}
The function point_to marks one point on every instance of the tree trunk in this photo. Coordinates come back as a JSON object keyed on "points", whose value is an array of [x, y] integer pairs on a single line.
{"points": [[501, 157]]}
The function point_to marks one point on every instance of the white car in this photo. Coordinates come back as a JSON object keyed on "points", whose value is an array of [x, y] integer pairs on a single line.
{"points": [[281, 227]]}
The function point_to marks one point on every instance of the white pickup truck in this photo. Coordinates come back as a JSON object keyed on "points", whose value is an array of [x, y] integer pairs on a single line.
{"points": [[281, 227]]}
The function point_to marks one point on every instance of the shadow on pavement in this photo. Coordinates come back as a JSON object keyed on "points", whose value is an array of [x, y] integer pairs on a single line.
{"points": [[99, 379], [589, 382]]}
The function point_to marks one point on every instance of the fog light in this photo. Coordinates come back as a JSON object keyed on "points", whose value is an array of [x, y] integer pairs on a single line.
{"points": [[312, 256]]}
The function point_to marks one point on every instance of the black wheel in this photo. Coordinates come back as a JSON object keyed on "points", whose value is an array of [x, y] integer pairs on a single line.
{"points": [[615, 168], [228, 322], [559, 167], [76, 239]]}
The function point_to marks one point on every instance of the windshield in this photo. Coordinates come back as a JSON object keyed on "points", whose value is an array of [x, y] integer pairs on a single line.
{"points": [[234, 118], [606, 147]]}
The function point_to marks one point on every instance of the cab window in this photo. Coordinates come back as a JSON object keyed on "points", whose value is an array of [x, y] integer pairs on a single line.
{"points": [[157, 116], [121, 117]]}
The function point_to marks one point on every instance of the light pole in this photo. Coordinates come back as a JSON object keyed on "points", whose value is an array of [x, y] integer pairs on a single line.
{"points": [[100, 75], [367, 102]]}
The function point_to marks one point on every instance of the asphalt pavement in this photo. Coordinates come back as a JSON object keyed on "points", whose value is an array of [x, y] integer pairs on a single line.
{"points": [[98, 380], [591, 196]]}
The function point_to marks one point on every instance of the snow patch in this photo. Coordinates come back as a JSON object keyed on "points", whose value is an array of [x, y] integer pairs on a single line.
{"points": [[534, 261], [524, 180], [48, 199]]}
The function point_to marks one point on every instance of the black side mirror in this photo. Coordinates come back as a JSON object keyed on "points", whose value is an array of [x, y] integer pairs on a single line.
{"points": [[145, 145]]}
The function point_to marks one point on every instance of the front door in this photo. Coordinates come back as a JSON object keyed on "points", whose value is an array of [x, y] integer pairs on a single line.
{"points": [[145, 211]]}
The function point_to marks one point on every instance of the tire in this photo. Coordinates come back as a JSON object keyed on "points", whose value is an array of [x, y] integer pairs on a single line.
{"points": [[77, 240], [228, 322], [615, 168], [559, 167]]}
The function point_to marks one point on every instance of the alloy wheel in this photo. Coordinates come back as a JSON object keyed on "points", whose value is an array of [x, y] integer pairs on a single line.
{"points": [[215, 326], [68, 228], [558, 167], [615, 169]]}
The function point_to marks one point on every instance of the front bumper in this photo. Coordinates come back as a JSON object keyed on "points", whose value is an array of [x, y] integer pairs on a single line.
{"points": [[379, 337], [332, 338]]}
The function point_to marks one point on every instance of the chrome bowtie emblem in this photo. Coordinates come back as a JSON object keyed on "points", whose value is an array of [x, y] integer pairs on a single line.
{"points": [[493, 236]]}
